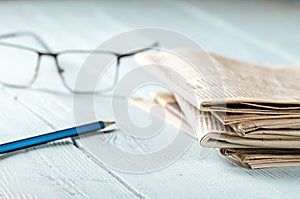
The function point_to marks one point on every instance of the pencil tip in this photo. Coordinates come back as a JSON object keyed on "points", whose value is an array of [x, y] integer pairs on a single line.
{"points": [[108, 123]]}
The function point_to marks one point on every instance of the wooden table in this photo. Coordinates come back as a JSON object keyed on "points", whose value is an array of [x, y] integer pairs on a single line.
{"points": [[265, 32]]}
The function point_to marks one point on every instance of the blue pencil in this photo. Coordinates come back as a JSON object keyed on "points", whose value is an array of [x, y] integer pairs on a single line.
{"points": [[48, 137]]}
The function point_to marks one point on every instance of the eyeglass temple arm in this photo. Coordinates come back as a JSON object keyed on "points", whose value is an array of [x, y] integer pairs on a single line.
{"points": [[139, 50], [33, 35]]}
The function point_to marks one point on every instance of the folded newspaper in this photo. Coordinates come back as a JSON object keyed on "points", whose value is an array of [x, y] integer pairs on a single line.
{"points": [[253, 114]]}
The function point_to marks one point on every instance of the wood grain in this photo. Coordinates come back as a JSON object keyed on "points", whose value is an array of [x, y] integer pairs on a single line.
{"points": [[54, 170], [62, 170]]}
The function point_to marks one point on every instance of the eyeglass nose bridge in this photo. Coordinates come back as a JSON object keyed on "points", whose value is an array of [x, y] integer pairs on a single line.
{"points": [[59, 69], [54, 55], [47, 54]]}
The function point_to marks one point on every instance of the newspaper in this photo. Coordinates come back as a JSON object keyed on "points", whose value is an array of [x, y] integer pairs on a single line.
{"points": [[213, 133], [249, 156], [232, 118], [251, 112], [189, 73], [244, 128], [169, 116], [209, 131], [262, 158]]}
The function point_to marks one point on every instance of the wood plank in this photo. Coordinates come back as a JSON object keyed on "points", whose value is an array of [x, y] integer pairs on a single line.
{"points": [[54, 170], [272, 23], [193, 175], [212, 32], [190, 176]]}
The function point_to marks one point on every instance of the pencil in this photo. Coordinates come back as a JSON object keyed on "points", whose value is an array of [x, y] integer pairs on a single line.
{"points": [[52, 136]]}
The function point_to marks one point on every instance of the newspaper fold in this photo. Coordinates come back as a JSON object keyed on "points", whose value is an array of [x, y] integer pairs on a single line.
{"points": [[251, 112], [194, 74]]}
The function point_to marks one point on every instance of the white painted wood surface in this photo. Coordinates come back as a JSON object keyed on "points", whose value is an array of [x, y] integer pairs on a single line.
{"points": [[261, 31]]}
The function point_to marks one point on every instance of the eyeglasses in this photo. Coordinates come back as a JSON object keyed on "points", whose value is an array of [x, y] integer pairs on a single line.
{"points": [[19, 65]]}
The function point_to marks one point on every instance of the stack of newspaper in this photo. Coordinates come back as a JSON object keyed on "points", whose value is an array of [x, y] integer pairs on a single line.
{"points": [[250, 112]]}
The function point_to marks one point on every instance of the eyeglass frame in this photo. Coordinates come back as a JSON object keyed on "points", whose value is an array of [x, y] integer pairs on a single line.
{"points": [[54, 55]]}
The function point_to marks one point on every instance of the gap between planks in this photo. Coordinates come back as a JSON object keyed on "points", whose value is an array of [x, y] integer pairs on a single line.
{"points": [[81, 149]]}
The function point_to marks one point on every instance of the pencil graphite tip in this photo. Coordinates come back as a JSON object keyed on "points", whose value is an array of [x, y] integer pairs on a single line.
{"points": [[106, 124]]}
